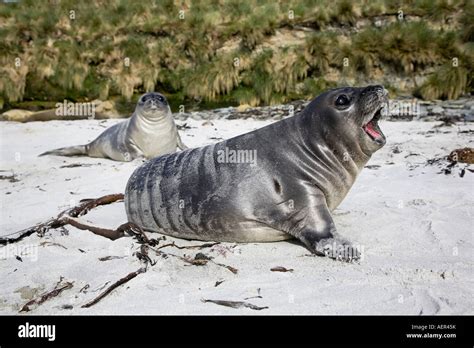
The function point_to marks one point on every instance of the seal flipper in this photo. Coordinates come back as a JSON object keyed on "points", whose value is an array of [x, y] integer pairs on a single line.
{"points": [[79, 150], [317, 231]]}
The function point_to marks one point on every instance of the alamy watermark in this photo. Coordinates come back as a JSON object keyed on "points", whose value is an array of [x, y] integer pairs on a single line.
{"points": [[37, 331], [237, 156], [67, 108], [399, 108], [28, 251], [337, 250]]}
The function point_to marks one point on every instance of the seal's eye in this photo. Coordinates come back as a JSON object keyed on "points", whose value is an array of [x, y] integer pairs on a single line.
{"points": [[342, 100], [145, 98], [161, 98]]}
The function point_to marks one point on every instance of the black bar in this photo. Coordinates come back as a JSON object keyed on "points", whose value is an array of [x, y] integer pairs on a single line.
{"points": [[261, 330]]}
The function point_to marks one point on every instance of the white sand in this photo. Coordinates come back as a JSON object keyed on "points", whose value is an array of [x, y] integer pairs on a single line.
{"points": [[414, 224]]}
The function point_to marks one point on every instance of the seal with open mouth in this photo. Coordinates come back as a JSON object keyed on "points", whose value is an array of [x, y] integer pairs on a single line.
{"points": [[275, 183], [148, 133]]}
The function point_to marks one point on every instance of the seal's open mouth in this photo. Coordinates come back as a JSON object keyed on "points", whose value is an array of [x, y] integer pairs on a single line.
{"points": [[372, 128]]}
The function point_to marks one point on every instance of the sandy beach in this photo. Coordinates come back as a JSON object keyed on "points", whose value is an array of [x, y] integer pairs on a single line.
{"points": [[413, 222]]}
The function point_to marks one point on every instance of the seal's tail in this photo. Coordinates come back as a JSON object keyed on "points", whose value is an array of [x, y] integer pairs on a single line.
{"points": [[68, 151]]}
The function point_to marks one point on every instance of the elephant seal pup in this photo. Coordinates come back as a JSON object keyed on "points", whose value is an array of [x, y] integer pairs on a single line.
{"points": [[149, 132], [274, 183]]}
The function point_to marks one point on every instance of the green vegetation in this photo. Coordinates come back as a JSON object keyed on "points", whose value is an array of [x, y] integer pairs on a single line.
{"points": [[248, 52], [447, 82]]}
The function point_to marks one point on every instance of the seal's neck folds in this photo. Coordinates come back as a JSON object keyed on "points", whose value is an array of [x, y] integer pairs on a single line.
{"points": [[337, 156]]}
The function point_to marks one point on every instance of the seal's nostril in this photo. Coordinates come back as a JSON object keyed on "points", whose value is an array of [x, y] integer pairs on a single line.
{"points": [[378, 89]]}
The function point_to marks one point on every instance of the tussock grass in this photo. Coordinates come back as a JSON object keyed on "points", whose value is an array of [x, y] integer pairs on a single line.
{"points": [[194, 57], [447, 82]]}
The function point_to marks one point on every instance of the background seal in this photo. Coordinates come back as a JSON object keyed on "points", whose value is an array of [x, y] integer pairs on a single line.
{"points": [[149, 132]]}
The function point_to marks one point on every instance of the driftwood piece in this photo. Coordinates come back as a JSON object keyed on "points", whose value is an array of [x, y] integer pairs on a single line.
{"points": [[64, 218], [200, 246], [88, 204], [122, 281], [199, 261], [59, 288], [104, 232], [235, 304], [281, 269]]}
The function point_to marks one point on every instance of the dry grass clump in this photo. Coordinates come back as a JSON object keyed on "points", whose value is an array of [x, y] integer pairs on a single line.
{"points": [[98, 49]]}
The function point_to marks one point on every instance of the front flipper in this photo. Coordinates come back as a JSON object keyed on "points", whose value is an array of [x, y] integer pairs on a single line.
{"points": [[317, 231], [338, 249], [131, 151]]}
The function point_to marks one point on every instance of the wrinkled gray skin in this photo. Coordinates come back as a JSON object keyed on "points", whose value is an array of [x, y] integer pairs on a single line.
{"points": [[306, 164], [148, 133]]}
